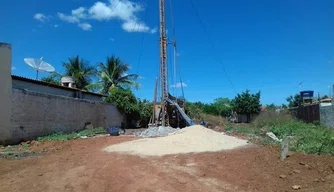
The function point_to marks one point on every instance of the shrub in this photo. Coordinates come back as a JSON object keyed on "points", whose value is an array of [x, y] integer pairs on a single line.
{"points": [[270, 118], [309, 138], [61, 136]]}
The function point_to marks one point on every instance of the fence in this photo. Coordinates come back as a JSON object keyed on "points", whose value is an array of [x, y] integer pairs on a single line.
{"points": [[308, 113]]}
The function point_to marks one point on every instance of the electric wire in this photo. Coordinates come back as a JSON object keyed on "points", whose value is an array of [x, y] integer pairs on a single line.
{"points": [[198, 15], [175, 48], [142, 38], [113, 9]]}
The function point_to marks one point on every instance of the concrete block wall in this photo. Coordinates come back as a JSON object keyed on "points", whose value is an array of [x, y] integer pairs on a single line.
{"points": [[327, 116], [37, 114], [5, 91]]}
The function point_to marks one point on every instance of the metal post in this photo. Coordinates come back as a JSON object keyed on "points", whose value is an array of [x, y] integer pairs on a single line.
{"points": [[154, 119], [163, 63]]}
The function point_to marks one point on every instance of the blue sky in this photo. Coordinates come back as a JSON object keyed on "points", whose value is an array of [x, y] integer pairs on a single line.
{"points": [[262, 45]]}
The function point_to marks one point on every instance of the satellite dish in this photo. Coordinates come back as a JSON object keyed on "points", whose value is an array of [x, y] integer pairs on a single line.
{"points": [[39, 65]]}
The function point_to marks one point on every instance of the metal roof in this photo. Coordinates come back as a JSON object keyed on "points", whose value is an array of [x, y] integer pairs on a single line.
{"points": [[53, 85]]}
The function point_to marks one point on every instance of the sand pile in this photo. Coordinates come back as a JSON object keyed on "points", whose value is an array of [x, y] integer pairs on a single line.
{"points": [[194, 139]]}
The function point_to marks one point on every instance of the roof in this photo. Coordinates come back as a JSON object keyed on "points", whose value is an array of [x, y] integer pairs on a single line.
{"points": [[54, 85], [327, 100]]}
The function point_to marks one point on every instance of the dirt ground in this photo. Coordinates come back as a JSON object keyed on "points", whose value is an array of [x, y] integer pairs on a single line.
{"points": [[81, 165]]}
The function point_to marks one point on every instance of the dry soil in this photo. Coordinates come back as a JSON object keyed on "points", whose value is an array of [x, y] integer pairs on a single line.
{"points": [[82, 165]]}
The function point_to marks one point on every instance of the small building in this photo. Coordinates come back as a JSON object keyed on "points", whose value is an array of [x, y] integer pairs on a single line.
{"points": [[28, 84]]}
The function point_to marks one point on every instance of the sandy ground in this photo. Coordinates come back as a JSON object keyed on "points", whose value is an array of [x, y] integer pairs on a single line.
{"points": [[193, 139], [82, 165]]}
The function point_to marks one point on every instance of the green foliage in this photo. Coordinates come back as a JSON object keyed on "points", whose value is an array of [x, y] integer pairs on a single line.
{"points": [[220, 107], [223, 106], [145, 108], [324, 97], [60, 136], [309, 138], [247, 103], [272, 107], [52, 78], [80, 70], [270, 118], [127, 103], [113, 73], [194, 110], [124, 100], [293, 101]]}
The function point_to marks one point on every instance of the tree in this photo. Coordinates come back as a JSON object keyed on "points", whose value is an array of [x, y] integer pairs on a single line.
{"points": [[113, 73], [126, 103], [272, 107], [53, 78], [247, 104], [325, 97], [145, 108], [223, 106], [80, 70], [194, 110], [293, 101]]}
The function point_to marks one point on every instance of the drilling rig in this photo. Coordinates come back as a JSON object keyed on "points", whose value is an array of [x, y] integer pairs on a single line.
{"points": [[169, 111]]}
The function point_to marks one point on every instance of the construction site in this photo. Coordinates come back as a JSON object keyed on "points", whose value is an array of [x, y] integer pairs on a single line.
{"points": [[173, 153]]}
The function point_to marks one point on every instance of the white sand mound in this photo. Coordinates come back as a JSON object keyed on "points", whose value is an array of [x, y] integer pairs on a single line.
{"points": [[193, 139]]}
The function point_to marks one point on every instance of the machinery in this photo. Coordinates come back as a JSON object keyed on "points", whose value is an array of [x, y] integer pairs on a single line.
{"points": [[169, 111]]}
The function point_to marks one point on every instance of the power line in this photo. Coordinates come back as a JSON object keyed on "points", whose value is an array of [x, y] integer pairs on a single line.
{"points": [[142, 39], [211, 42], [113, 9]]}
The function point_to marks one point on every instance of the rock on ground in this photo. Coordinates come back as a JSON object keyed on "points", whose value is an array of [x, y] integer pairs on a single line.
{"points": [[156, 132]]}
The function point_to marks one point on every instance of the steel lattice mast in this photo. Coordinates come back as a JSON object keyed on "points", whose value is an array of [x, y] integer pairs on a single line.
{"points": [[163, 62]]}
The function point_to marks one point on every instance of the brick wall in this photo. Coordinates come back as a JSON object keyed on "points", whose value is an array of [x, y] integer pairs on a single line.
{"points": [[36, 114]]}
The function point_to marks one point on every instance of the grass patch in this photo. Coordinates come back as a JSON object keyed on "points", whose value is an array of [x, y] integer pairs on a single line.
{"points": [[212, 120], [309, 138], [60, 136]]}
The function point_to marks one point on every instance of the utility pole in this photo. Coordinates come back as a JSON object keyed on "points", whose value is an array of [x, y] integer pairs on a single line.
{"points": [[163, 62]]}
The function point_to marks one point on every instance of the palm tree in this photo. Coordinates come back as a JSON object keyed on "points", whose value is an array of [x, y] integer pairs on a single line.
{"points": [[52, 78], [113, 73], [80, 71]]}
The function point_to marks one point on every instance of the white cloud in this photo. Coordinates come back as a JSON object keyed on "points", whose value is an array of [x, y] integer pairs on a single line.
{"points": [[124, 10], [85, 26], [111, 39], [133, 26], [79, 13], [119, 9], [178, 85], [55, 26], [68, 18], [40, 17], [100, 11], [154, 30], [13, 68]]}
